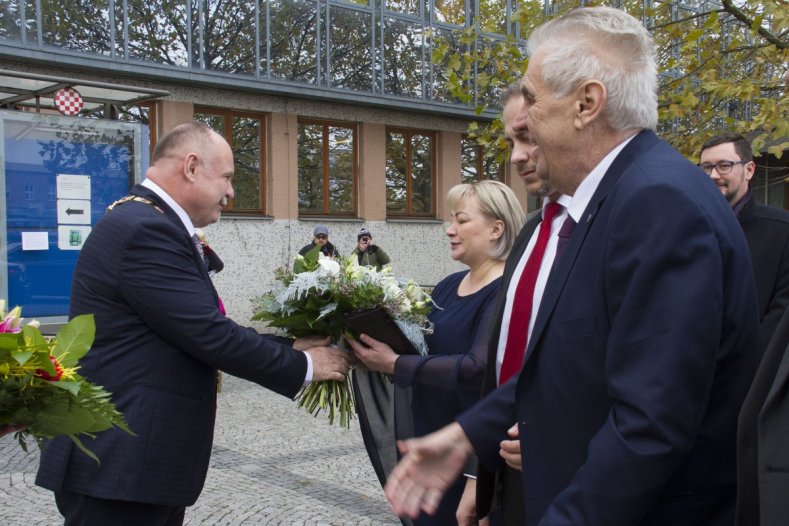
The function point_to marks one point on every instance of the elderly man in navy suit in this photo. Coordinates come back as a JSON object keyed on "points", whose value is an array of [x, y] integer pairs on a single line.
{"points": [[160, 339], [646, 338]]}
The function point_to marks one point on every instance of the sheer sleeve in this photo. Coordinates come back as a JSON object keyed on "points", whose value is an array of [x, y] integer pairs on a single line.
{"points": [[463, 371]]}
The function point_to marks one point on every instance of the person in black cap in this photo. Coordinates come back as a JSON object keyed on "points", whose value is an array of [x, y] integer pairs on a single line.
{"points": [[320, 237], [369, 253]]}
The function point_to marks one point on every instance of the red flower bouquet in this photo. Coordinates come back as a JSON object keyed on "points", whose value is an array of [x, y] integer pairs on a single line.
{"points": [[41, 394]]}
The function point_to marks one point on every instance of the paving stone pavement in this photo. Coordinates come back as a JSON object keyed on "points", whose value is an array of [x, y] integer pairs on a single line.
{"points": [[272, 463]]}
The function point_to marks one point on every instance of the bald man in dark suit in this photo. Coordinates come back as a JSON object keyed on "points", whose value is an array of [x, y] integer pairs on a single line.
{"points": [[160, 339]]}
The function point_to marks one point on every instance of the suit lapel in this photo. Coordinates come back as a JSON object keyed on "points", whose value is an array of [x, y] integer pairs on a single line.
{"points": [[519, 247], [147, 193], [558, 277]]}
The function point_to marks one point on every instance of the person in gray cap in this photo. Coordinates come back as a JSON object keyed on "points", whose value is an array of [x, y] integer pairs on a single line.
{"points": [[320, 237]]}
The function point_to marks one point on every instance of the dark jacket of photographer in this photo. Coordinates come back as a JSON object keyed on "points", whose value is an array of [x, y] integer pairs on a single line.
{"points": [[374, 256]]}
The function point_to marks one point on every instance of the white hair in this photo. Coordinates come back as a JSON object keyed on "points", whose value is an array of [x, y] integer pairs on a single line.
{"points": [[608, 45]]}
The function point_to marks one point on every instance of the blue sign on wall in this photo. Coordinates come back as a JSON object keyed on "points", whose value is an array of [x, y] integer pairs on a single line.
{"points": [[60, 175]]}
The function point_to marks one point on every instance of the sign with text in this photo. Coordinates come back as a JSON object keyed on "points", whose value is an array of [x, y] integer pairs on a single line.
{"points": [[73, 186]]}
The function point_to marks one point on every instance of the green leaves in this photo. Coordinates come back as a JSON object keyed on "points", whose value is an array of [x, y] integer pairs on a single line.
{"points": [[74, 340], [308, 262], [40, 389], [9, 341], [720, 63], [63, 418]]}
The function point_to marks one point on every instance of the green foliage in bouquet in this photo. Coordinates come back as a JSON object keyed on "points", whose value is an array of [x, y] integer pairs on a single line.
{"points": [[40, 388], [311, 300]]}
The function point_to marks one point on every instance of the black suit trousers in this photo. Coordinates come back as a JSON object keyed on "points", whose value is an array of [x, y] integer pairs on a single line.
{"points": [[83, 510]]}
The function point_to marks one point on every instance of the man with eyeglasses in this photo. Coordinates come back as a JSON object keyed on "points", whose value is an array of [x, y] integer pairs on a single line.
{"points": [[728, 159]]}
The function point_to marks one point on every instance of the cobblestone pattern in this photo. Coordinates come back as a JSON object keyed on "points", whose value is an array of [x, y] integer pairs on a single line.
{"points": [[272, 463]]}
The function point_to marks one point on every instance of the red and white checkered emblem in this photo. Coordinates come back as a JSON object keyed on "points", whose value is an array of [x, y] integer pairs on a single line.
{"points": [[68, 101]]}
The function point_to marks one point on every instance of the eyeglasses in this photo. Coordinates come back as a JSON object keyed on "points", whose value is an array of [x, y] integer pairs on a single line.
{"points": [[722, 167], [322, 236]]}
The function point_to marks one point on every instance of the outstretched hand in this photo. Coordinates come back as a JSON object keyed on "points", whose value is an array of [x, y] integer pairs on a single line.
{"points": [[328, 363], [430, 465]]}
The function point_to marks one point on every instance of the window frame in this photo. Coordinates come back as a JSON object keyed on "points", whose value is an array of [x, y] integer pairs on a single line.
{"points": [[409, 132], [228, 115], [482, 175], [326, 124]]}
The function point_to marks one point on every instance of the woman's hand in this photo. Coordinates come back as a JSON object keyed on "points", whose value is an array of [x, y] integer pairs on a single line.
{"points": [[375, 355]]}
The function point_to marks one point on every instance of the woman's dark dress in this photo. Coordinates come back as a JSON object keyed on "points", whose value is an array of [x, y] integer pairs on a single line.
{"points": [[449, 380]]}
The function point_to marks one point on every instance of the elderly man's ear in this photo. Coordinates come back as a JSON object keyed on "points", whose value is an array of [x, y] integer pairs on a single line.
{"points": [[590, 102]]}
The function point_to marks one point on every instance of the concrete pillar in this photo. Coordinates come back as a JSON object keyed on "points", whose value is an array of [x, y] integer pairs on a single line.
{"points": [[171, 113], [282, 174], [447, 168], [372, 172]]}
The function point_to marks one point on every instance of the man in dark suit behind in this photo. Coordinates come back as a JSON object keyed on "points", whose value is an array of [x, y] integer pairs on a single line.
{"points": [[160, 340], [646, 338], [495, 498], [728, 159], [762, 455]]}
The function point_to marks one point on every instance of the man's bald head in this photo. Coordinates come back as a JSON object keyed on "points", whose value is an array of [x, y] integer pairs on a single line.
{"points": [[194, 165], [189, 136]]}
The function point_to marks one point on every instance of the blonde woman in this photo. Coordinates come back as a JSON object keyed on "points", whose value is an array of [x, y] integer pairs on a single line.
{"points": [[485, 219]]}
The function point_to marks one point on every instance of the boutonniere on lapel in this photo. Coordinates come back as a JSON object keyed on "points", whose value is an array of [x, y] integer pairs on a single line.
{"points": [[214, 262]]}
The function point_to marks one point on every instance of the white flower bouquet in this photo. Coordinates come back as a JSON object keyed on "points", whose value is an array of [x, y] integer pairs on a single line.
{"points": [[320, 295]]}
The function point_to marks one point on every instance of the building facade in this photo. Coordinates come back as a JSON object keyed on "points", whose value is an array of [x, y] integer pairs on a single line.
{"points": [[335, 112], [339, 112]]}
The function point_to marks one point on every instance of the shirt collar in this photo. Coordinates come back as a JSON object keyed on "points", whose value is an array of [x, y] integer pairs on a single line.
{"points": [[182, 215], [742, 202], [585, 191], [563, 200]]}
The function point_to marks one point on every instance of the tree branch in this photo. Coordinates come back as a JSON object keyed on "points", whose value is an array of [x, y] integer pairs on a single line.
{"points": [[737, 13]]}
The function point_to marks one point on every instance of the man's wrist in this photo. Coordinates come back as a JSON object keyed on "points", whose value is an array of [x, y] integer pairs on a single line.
{"points": [[460, 438]]}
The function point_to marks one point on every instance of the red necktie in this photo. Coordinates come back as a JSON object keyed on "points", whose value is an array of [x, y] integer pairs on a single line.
{"points": [[524, 297]]}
